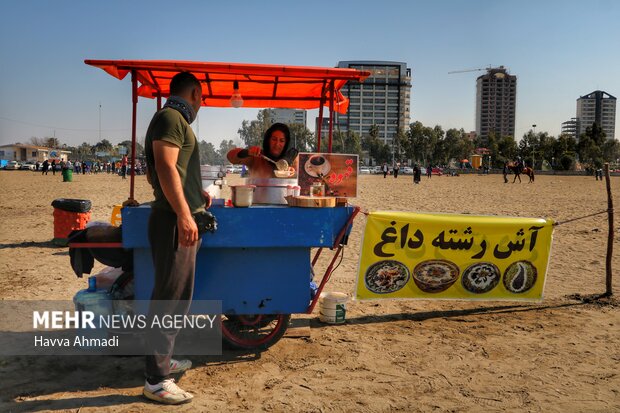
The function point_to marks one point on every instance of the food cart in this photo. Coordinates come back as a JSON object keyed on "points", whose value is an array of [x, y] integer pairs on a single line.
{"points": [[258, 263]]}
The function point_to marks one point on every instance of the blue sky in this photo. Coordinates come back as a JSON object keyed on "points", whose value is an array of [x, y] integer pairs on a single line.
{"points": [[559, 50]]}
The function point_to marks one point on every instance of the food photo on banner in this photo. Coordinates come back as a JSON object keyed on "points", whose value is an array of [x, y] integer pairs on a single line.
{"points": [[451, 256], [334, 174]]}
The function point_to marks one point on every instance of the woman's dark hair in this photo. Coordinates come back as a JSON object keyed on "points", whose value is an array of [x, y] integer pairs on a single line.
{"points": [[287, 134]]}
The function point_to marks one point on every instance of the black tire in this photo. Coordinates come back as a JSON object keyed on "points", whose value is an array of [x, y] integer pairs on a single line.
{"points": [[255, 331]]}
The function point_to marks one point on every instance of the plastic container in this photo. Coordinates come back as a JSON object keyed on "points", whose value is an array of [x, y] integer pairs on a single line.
{"points": [[98, 301], [317, 189], [67, 175], [116, 219], [333, 307], [72, 205], [293, 190], [69, 215], [242, 195]]}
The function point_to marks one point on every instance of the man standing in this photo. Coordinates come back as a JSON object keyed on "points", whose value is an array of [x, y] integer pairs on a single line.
{"points": [[124, 167], [173, 164], [396, 169], [384, 169]]}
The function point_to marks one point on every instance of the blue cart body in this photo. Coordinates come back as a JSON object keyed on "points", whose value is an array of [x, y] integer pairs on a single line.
{"points": [[258, 260]]}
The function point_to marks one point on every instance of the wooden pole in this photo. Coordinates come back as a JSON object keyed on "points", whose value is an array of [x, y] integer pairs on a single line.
{"points": [[610, 236]]}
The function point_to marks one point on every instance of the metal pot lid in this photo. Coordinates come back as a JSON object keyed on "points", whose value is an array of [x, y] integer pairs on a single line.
{"points": [[279, 182]]}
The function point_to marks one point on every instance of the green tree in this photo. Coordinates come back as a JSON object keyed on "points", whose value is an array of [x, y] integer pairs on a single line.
{"points": [[417, 141], [377, 150], [564, 152], [251, 132], [400, 146], [104, 146], [83, 152], [51, 142], [225, 146], [127, 144], [208, 154], [506, 151], [301, 137], [590, 145]]}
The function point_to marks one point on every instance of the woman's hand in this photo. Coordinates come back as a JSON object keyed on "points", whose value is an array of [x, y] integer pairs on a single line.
{"points": [[254, 150]]}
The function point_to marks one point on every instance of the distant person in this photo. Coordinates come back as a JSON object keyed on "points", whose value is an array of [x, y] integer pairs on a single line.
{"points": [[505, 172], [396, 169], [45, 167], [384, 169], [429, 171], [417, 174], [124, 167], [53, 166]]}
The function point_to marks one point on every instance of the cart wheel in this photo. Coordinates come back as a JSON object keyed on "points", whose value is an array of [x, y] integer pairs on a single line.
{"points": [[255, 331]]}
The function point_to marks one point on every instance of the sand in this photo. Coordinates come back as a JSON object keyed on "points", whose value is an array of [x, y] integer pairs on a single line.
{"points": [[559, 355]]}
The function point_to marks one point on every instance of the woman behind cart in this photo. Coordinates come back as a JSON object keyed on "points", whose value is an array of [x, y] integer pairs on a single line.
{"points": [[276, 142]]}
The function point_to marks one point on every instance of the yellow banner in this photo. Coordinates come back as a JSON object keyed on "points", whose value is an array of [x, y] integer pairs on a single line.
{"points": [[450, 256]]}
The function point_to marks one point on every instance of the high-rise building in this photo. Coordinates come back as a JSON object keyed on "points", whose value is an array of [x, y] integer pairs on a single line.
{"points": [[570, 127], [383, 99], [288, 116], [496, 101], [597, 107]]}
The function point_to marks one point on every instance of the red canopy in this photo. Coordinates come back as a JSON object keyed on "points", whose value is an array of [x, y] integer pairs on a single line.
{"points": [[261, 86]]}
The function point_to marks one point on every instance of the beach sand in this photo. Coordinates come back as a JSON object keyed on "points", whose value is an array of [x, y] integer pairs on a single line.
{"points": [[559, 355]]}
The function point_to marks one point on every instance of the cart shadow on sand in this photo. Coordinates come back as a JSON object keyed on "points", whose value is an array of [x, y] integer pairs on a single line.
{"points": [[32, 244], [457, 314], [72, 375]]}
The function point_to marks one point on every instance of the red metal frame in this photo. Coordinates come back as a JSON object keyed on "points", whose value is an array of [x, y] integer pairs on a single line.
{"points": [[330, 267], [133, 66]]}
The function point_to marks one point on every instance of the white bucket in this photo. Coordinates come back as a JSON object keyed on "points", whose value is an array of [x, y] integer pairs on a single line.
{"points": [[333, 307]]}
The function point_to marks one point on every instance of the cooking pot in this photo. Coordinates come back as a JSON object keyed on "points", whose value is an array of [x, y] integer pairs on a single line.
{"points": [[271, 191], [242, 195]]}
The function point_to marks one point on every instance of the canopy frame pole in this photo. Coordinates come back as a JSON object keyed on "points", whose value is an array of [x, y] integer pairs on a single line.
{"points": [[322, 102], [134, 104], [331, 116], [158, 101]]}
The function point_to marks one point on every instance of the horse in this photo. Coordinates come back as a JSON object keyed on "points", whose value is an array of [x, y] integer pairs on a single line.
{"points": [[518, 169]]}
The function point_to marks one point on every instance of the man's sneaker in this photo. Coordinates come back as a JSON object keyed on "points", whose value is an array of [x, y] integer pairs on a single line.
{"points": [[166, 392], [179, 366]]}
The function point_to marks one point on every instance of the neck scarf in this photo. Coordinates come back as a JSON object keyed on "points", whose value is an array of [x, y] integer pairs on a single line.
{"points": [[183, 106]]}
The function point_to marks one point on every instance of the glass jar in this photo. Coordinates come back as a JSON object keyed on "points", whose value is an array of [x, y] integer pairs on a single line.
{"points": [[317, 189]]}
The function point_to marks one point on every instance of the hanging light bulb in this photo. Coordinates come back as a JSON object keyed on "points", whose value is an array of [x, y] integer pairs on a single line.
{"points": [[236, 101]]}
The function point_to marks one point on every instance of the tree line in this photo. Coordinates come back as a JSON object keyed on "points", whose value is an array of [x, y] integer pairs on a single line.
{"points": [[418, 144], [424, 144]]}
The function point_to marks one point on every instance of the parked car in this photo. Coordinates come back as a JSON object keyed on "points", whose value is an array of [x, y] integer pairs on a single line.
{"points": [[407, 170], [29, 166], [12, 165], [234, 169], [437, 171], [377, 169], [364, 170]]}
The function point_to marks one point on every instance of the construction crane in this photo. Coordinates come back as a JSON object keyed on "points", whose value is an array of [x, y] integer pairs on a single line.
{"points": [[489, 68]]}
